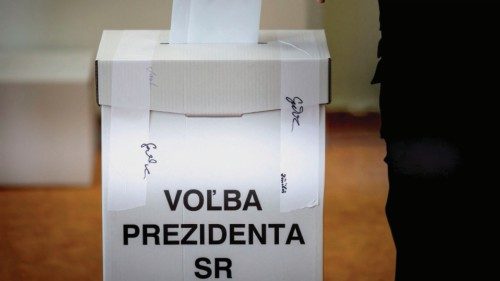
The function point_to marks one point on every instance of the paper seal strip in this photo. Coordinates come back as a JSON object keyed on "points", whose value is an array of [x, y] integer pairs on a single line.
{"points": [[130, 112], [299, 124]]}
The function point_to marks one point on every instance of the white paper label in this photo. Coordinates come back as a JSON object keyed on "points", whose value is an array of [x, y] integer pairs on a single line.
{"points": [[127, 182], [129, 129], [299, 130], [215, 21]]}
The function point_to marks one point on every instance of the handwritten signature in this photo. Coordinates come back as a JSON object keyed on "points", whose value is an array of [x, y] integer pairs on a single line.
{"points": [[297, 109], [152, 75], [151, 159], [283, 183]]}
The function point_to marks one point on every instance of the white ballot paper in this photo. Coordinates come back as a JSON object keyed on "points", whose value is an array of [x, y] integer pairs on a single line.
{"points": [[215, 21]]}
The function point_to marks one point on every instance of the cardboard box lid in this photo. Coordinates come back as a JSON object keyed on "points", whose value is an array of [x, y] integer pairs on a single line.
{"points": [[215, 79]]}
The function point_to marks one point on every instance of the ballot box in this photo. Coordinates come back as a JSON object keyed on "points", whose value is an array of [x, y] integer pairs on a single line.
{"points": [[213, 156]]}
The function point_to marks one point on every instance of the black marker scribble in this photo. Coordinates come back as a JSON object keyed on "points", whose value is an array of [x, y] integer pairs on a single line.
{"points": [[151, 159], [297, 110]]}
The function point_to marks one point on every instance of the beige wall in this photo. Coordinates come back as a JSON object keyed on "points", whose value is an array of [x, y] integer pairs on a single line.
{"points": [[353, 32], [351, 25], [79, 23]]}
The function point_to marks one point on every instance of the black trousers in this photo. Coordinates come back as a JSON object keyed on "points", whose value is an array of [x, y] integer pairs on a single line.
{"points": [[431, 210]]}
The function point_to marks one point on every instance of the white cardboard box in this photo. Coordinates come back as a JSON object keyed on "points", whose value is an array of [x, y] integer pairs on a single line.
{"points": [[204, 155], [47, 118]]}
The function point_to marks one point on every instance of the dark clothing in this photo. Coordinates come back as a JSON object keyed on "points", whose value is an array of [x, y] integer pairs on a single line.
{"points": [[423, 208], [434, 62], [434, 71], [440, 211]]}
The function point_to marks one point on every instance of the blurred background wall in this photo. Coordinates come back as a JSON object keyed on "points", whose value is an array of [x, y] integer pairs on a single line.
{"points": [[351, 25], [352, 28]]}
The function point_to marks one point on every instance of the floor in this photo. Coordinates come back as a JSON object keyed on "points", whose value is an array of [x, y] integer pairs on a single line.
{"points": [[54, 233]]}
